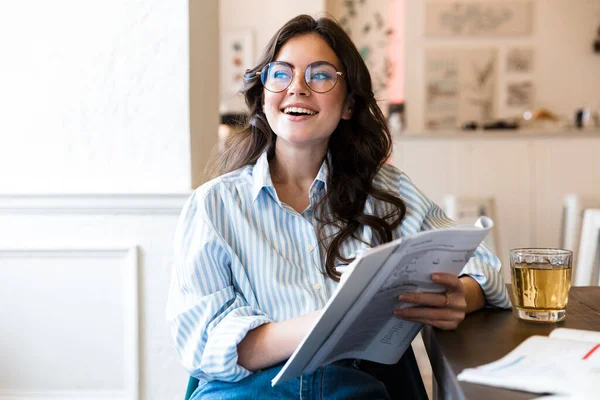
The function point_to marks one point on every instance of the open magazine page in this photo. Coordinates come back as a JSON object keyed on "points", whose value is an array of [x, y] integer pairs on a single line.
{"points": [[370, 331], [545, 365], [358, 320], [575, 334], [338, 305]]}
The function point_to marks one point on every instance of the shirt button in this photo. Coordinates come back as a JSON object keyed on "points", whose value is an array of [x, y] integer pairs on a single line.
{"points": [[310, 248], [317, 286]]}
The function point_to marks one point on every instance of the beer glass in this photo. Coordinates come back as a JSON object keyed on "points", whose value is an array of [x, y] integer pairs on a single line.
{"points": [[541, 279]]}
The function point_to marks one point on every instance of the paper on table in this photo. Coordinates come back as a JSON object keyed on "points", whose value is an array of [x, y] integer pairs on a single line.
{"points": [[545, 365], [575, 334]]}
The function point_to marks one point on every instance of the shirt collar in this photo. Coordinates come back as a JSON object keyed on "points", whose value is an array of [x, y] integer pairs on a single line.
{"points": [[323, 173], [261, 176]]}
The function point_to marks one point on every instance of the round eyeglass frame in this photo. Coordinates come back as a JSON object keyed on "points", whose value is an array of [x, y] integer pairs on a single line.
{"points": [[263, 70]]}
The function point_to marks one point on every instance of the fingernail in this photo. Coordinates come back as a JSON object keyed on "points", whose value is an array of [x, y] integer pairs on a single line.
{"points": [[435, 277], [402, 297], [398, 313]]}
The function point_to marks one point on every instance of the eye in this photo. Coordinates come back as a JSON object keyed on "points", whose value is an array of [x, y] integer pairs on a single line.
{"points": [[281, 75], [320, 76]]}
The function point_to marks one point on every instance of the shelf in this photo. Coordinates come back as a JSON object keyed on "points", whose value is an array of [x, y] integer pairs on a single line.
{"points": [[499, 134]]}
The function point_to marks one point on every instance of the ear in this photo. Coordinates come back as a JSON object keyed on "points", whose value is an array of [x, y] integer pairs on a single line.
{"points": [[349, 104]]}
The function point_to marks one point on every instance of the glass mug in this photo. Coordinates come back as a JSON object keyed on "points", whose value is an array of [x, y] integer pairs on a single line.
{"points": [[541, 279]]}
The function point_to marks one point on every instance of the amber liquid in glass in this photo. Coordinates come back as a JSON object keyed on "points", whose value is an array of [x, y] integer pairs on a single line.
{"points": [[540, 287]]}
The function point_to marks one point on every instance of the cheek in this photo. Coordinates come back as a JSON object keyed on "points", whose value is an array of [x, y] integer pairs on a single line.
{"points": [[271, 100], [338, 106], [270, 105]]}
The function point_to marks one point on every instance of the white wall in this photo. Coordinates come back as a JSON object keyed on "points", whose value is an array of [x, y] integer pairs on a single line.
{"points": [[95, 100], [263, 18], [94, 96], [566, 70]]}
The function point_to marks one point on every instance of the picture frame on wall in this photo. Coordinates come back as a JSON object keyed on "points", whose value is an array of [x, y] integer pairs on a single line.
{"points": [[478, 18], [519, 94], [460, 86], [519, 60], [237, 49]]}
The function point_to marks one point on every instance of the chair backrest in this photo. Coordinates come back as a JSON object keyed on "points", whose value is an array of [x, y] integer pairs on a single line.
{"points": [[587, 267], [466, 210], [574, 207], [191, 387]]}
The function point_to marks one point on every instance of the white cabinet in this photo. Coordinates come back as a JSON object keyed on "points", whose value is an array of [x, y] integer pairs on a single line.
{"points": [[527, 174], [561, 167]]}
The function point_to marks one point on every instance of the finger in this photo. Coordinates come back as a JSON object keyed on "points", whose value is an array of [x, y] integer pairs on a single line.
{"points": [[452, 282], [426, 299], [445, 325], [443, 314]]}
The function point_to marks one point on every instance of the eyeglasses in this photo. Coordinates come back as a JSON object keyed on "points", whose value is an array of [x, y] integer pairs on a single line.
{"points": [[320, 76]]}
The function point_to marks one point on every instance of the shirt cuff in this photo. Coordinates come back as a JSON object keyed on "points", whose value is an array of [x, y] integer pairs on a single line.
{"points": [[220, 358], [491, 282]]}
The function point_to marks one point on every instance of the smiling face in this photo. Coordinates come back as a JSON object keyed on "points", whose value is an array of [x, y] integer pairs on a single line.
{"points": [[299, 116]]}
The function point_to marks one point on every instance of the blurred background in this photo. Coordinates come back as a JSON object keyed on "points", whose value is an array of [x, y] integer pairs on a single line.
{"points": [[110, 110]]}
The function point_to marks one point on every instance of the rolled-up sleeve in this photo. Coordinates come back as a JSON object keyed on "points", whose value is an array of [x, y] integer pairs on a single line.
{"points": [[484, 267], [207, 316]]}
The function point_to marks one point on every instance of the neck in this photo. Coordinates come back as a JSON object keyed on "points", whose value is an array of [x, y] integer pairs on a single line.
{"points": [[296, 166]]}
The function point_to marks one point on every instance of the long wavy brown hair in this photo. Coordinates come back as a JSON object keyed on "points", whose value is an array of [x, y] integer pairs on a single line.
{"points": [[358, 147]]}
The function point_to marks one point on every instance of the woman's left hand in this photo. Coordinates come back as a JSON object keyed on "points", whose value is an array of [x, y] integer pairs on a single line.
{"points": [[442, 310]]}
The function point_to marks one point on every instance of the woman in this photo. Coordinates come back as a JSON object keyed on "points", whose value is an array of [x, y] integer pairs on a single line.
{"points": [[305, 188]]}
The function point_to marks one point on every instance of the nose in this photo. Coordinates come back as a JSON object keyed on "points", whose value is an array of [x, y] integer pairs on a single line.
{"points": [[298, 85]]}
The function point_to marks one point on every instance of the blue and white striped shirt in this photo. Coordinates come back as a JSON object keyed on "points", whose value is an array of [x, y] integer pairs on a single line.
{"points": [[243, 258]]}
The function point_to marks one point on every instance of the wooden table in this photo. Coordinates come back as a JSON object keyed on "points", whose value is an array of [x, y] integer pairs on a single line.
{"points": [[488, 335]]}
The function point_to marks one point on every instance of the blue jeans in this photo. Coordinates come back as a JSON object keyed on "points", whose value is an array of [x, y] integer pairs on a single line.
{"points": [[340, 380]]}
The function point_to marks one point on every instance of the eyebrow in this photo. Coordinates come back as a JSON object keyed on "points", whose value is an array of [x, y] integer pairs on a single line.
{"points": [[318, 62]]}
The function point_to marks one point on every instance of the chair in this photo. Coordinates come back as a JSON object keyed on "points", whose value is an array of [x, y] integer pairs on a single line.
{"points": [[398, 378], [191, 387], [587, 270], [466, 210], [574, 207], [402, 380]]}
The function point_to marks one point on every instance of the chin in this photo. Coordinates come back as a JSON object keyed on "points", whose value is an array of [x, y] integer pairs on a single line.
{"points": [[303, 138], [302, 133]]}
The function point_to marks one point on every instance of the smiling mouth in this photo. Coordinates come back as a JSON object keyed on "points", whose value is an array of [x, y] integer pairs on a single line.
{"points": [[298, 111]]}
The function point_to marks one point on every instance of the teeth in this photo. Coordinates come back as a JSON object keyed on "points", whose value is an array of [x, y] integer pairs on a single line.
{"points": [[298, 110]]}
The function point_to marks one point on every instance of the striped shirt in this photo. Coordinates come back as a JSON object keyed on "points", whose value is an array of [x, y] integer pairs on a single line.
{"points": [[243, 258]]}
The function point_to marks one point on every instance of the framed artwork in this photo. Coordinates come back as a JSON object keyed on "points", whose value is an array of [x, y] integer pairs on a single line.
{"points": [[369, 25], [478, 18], [519, 60], [236, 57], [519, 94], [460, 86], [441, 91]]}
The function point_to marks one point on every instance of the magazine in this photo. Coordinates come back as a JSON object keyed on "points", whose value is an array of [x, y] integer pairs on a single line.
{"points": [[358, 320], [565, 362]]}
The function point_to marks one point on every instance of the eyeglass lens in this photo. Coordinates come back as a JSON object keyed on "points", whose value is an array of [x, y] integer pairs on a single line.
{"points": [[319, 76]]}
